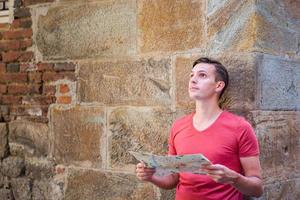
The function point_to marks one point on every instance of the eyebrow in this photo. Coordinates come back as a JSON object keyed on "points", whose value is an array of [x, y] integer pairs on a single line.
{"points": [[199, 71]]}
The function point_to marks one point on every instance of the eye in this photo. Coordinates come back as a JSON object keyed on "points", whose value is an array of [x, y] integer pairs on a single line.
{"points": [[191, 75], [202, 75]]}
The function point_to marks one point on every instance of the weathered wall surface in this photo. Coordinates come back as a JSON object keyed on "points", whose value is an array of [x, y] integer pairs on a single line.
{"points": [[84, 82]]}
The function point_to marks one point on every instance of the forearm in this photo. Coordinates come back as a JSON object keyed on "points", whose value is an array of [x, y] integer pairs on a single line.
{"points": [[251, 186], [165, 182]]}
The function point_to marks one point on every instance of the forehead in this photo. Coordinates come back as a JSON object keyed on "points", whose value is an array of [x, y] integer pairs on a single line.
{"points": [[209, 68]]}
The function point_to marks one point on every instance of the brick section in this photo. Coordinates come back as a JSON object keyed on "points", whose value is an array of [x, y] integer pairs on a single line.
{"points": [[23, 89], [13, 67], [35, 77], [44, 100], [24, 67], [64, 100], [3, 89], [25, 43], [2, 67], [17, 34], [45, 66], [64, 88], [25, 86], [7, 45], [13, 77], [11, 99], [20, 56], [49, 89], [54, 76]]}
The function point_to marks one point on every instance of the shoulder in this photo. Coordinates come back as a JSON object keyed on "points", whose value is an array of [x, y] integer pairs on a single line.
{"points": [[235, 121], [182, 122]]}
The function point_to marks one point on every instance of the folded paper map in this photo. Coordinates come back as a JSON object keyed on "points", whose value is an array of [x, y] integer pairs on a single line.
{"points": [[166, 165]]}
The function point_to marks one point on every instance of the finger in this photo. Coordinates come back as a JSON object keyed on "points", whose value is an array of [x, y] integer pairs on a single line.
{"points": [[214, 167], [215, 172]]}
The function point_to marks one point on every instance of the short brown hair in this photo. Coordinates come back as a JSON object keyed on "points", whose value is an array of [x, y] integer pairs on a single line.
{"points": [[221, 72]]}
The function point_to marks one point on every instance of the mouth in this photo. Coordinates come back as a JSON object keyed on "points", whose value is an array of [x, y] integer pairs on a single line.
{"points": [[194, 88]]}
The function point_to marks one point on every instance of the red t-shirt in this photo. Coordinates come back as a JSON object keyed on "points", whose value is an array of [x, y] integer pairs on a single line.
{"points": [[224, 142]]}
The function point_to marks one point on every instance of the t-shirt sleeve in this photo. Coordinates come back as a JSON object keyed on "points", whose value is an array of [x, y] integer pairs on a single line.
{"points": [[172, 150], [248, 144]]}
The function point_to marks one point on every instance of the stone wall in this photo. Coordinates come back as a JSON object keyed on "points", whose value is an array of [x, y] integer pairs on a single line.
{"points": [[84, 82]]}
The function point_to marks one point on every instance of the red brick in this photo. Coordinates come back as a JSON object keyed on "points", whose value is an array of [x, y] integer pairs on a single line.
{"points": [[54, 76], [64, 67], [11, 99], [18, 110], [49, 89], [13, 77], [64, 88], [4, 25], [26, 56], [2, 67], [35, 77], [24, 67], [64, 100], [17, 34], [22, 23], [25, 44], [44, 100], [23, 89], [45, 66], [7, 45], [2, 88], [12, 56]]}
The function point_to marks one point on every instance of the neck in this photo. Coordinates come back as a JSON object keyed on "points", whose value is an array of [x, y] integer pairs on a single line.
{"points": [[207, 110]]}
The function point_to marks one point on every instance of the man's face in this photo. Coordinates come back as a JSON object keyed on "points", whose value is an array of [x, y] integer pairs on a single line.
{"points": [[202, 84]]}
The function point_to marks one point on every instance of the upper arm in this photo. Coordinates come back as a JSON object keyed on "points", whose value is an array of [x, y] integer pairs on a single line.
{"points": [[251, 166]]}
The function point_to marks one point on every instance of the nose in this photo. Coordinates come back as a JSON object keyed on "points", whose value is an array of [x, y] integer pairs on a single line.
{"points": [[193, 79]]}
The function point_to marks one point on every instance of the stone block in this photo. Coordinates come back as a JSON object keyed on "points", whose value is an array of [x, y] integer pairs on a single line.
{"points": [[12, 166], [46, 189], [3, 140], [283, 190], [167, 194], [6, 194], [137, 129], [21, 188], [29, 138], [78, 135], [167, 25], [278, 82], [85, 30], [284, 13], [4, 181], [278, 133], [245, 26], [241, 91], [139, 82], [90, 185], [39, 169]]}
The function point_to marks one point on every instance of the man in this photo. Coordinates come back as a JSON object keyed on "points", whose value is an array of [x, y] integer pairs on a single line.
{"points": [[227, 140]]}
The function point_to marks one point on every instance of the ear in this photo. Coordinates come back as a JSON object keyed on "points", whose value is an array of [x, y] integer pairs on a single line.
{"points": [[219, 86]]}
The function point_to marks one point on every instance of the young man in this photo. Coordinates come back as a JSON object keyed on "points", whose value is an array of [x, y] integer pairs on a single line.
{"points": [[227, 140]]}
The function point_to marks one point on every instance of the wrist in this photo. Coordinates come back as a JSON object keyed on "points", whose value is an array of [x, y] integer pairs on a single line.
{"points": [[236, 179]]}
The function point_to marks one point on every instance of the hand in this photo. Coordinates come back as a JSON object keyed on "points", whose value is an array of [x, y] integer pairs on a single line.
{"points": [[144, 173], [221, 174]]}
